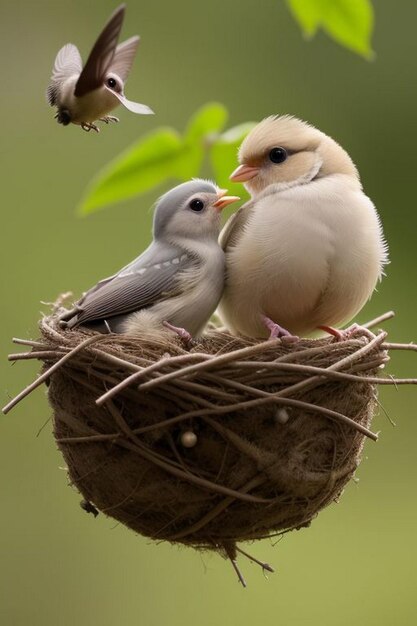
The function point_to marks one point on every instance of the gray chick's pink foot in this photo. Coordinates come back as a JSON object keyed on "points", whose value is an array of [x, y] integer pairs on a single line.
{"points": [[277, 332], [87, 126], [181, 332]]}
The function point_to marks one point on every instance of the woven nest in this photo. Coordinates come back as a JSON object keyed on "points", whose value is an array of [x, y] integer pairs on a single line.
{"points": [[233, 440]]}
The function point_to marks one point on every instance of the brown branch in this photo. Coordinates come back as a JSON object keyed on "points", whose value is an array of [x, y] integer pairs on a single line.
{"points": [[209, 364], [399, 346], [42, 354], [25, 392], [28, 342], [378, 320], [325, 372], [140, 373]]}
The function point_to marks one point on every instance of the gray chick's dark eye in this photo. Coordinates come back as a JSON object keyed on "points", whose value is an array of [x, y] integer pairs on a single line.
{"points": [[111, 82], [196, 205], [278, 155]]}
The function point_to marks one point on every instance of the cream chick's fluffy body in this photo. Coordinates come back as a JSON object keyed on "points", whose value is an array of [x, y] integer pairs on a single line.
{"points": [[307, 250]]}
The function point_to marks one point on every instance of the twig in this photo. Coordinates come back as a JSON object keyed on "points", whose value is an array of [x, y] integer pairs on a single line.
{"points": [[144, 372], [323, 348], [325, 372], [42, 354], [237, 570], [51, 331], [244, 352], [265, 566], [355, 356], [28, 342], [378, 320], [399, 346], [36, 383], [205, 365]]}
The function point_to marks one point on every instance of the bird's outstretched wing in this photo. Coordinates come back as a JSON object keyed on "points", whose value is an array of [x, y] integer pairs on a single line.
{"points": [[135, 287], [231, 230], [102, 54], [67, 63], [124, 56]]}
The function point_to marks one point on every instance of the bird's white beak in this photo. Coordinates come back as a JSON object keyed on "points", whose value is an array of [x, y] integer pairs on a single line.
{"points": [[135, 107], [243, 173], [224, 200]]}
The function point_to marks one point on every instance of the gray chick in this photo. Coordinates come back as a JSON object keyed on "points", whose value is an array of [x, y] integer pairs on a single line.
{"points": [[176, 282]]}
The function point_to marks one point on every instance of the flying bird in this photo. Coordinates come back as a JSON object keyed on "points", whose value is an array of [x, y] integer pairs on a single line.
{"points": [[83, 95], [306, 251], [176, 282]]}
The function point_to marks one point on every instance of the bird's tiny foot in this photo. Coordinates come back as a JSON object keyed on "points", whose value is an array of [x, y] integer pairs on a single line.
{"points": [[347, 333], [277, 332], [109, 118], [339, 335], [181, 332], [87, 126]]}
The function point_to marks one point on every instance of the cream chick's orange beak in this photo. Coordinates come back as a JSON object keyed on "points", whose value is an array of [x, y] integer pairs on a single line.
{"points": [[223, 200], [244, 173]]}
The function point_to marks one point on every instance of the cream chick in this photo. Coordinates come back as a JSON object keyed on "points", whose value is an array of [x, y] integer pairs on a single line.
{"points": [[306, 252]]}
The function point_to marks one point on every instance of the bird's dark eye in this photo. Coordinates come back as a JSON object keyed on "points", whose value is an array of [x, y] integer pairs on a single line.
{"points": [[196, 205], [278, 155], [111, 82]]}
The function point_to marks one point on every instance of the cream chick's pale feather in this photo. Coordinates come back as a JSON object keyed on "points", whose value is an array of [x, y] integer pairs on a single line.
{"points": [[308, 249]]}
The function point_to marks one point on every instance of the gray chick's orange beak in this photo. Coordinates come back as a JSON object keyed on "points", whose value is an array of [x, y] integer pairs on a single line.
{"points": [[244, 173], [224, 200]]}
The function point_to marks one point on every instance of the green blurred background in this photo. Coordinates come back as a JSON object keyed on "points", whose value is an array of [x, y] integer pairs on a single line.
{"points": [[60, 566]]}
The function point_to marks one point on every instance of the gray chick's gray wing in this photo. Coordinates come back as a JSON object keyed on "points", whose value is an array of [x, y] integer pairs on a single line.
{"points": [[234, 225], [101, 56], [134, 288], [67, 63], [153, 255]]}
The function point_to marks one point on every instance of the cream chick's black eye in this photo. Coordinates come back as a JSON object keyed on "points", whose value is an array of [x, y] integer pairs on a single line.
{"points": [[111, 82], [278, 155], [196, 205]]}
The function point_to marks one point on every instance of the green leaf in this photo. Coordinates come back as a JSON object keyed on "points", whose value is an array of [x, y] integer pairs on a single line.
{"points": [[147, 163], [223, 155], [349, 22], [307, 14], [203, 126], [161, 155], [207, 121]]}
